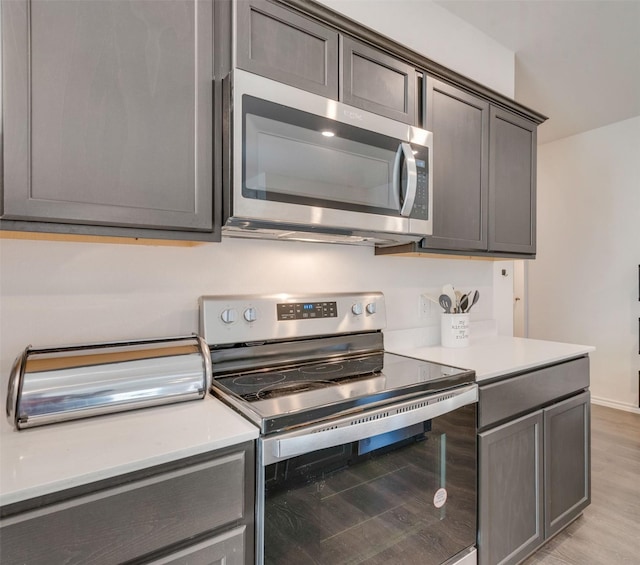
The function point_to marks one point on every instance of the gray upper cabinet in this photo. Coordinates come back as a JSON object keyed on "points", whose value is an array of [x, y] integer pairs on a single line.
{"points": [[280, 44], [484, 182], [460, 125], [512, 183], [107, 113], [377, 82]]}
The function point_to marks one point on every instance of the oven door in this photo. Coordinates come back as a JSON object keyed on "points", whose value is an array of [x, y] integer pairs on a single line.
{"points": [[392, 485], [304, 160]]}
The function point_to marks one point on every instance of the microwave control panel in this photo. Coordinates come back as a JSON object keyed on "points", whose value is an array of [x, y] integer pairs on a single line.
{"points": [[421, 205]]}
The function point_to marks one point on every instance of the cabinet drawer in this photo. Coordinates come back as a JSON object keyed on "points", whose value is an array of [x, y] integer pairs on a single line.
{"points": [[128, 521], [223, 549], [517, 395]]}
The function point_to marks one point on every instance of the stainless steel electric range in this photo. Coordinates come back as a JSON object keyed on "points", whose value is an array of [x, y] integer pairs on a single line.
{"points": [[364, 456]]}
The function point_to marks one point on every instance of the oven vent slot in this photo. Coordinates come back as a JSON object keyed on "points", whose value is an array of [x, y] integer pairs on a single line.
{"points": [[412, 407], [370, 418], [327, 429], [424, 403]]}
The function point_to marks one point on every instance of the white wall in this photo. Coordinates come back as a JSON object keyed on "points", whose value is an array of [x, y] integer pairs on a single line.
{"points": [[58, 293], [583, 286]]}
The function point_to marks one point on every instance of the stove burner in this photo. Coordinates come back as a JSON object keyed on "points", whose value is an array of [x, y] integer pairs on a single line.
{"points": [[322, 369], [290, 388], [259, 379], [373, 365]]}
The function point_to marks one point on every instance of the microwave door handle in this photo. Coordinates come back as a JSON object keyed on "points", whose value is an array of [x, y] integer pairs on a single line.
{"points": [[286, 448], [412, 177]]}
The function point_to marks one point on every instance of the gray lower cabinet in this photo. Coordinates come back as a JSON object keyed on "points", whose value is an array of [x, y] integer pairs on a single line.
{"points": [[510, 521], [534, 459], [567, 459], [222, 549], [107, 115], [199, 510]]}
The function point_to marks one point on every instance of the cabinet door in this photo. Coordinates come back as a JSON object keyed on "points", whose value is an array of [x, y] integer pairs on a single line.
{"points": [[510, 518], [280, 44], [376, 82], [567, 459], [123, 523], [460, 125], [512, 183], [223, 549], [108, 112]]}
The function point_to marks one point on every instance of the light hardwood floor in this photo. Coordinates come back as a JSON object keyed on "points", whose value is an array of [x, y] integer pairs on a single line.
{"points": [[608, 532]]}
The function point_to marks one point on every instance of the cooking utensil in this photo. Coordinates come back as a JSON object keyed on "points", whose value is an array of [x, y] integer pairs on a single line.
{"points": [[464, 303], [445, 302], [476, 297], [451, 293]]}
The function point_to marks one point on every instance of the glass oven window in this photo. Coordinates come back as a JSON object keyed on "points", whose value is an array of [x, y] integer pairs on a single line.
{"points": [[408, 496], [297, 157]]}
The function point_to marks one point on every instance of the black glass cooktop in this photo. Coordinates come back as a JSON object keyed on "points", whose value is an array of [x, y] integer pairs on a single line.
{"points": [[284, 397], [263, 385]]}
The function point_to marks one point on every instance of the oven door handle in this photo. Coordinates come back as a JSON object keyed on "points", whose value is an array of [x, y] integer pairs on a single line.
{"points": [[354, 428]]}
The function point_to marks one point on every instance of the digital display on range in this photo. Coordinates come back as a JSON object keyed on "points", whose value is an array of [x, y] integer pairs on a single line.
{"points": [[306, 310]]}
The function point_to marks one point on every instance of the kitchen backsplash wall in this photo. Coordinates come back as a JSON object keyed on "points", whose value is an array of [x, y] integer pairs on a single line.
{"points": [[58, 293]]}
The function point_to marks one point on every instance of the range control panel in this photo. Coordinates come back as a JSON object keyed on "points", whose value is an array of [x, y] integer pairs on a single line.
{"points": [[249, 318], [306, 310]]}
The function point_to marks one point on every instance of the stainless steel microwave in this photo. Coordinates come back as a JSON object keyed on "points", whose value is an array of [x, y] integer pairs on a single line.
{"points": [[310, 168]]}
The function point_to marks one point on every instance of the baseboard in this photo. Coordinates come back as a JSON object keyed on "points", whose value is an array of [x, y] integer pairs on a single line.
{"points": [[613, 404]]}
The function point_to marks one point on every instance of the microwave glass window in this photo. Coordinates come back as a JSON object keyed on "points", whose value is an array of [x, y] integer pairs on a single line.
{"points": [[297, 157]]}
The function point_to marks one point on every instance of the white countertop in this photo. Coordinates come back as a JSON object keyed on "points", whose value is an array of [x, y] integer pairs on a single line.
{"points": [[47, 459], [50, 458], [489, 356]]}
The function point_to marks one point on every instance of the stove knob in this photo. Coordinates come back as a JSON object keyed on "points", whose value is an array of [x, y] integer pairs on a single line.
{"points": [[357, 308], [250, 314], [371, 308], [229, 315]]}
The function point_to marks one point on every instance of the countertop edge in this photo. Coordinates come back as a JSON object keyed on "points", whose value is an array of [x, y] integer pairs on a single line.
{"points": [[128, 442], [492, 357]]}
